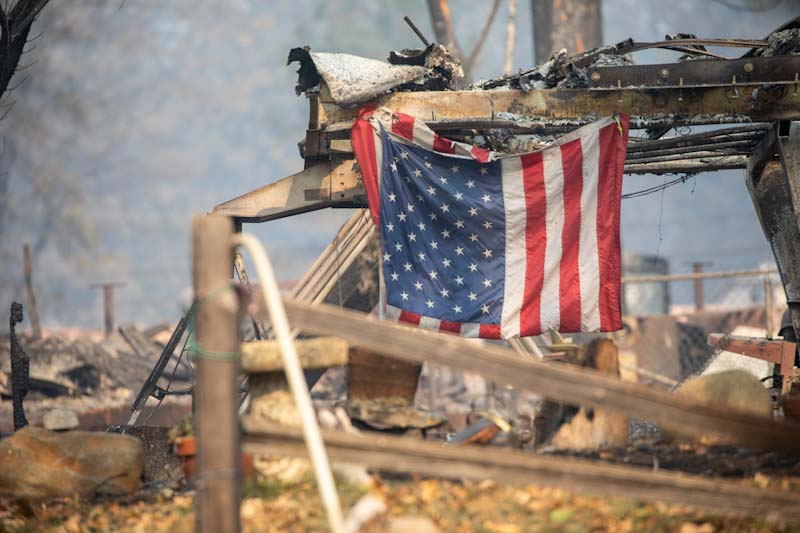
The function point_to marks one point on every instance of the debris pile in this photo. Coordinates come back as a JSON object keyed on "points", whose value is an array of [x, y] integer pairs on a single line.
{"points": [[782, 43], [95, 374], [352, 80]]}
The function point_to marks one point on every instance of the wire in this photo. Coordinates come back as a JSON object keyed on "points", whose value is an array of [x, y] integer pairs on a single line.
{"points": [[657, 188]]}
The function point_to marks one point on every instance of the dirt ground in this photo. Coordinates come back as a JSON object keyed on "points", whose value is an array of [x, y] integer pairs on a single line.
{"points": [[454, 506]]}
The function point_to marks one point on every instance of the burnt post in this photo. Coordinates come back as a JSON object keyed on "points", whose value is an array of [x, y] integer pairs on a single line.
{"points": [[108, 304], [216, 393], [33, 313], [699, 297], [20, 370]]}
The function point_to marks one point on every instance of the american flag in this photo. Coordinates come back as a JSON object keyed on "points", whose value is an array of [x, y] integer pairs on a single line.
{"points": [[495, 246]]}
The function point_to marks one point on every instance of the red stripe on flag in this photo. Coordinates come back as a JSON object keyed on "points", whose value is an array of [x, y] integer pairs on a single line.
{"points": [[481, 155], [403, 125], [445, 146], [453, 327], [489, 331], [535, 243], [613, 146], [362, 138], [569, 274], [408, 317]]}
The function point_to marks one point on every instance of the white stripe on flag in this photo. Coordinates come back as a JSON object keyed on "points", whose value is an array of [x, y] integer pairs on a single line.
{"points": [[471, 330], [423, 135], [392, 312], [514, 203], [554, 222], [588, 262], [427, 322]]}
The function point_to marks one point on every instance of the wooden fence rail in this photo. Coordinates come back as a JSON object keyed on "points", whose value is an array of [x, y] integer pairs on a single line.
{"points": [[405, 454], [559, 382]]}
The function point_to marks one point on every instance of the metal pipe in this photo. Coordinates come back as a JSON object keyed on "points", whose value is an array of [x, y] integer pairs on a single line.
{"points": [[704, 275], [294, 375]]}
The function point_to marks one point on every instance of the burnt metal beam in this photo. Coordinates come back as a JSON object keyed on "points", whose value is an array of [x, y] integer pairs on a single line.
{"points": [[327, 184], [773, 180], [707, 73]]}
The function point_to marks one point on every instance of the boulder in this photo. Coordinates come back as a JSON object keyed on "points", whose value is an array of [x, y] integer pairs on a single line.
{"points": [[736, 390], [60, 420], [36, 463]]}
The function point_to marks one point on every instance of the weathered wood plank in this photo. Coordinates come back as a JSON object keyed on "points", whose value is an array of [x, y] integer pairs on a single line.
{"points": [[321, 352], [561, 382], [404, 454]]}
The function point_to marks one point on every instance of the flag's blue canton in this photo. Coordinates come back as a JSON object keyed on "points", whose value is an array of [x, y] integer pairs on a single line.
{"points": [[443, 231]]}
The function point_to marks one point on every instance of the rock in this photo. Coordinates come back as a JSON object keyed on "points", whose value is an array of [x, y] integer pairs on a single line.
{"points": [[60, 420], [589, 428], [417, 524], [592, 429], [736, 390], [367, 514], [36, 463]]}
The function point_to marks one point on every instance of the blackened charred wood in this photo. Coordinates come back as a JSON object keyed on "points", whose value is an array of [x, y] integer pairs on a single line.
{"points": [[20, 370]]}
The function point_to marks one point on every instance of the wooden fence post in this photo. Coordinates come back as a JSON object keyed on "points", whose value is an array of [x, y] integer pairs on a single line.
{"points": [[216, 395]]}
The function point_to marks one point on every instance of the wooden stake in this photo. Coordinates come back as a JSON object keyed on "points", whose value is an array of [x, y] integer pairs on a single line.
{"points": [[33, 313], [108, 304], [216, 395]]}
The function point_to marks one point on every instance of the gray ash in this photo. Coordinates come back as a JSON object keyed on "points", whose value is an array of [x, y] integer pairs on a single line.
{"points": [[782, 43]]}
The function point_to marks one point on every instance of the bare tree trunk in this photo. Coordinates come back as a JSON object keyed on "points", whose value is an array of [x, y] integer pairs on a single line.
{"points": [[33, 313], [576, 25], [469, 65], [511, 36], [443, 26]]}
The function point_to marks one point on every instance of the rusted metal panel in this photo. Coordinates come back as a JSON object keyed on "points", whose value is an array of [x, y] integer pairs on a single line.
{"points": [[374, 376], [775, 351], [706, 73], [324, 185], [673, 106]]}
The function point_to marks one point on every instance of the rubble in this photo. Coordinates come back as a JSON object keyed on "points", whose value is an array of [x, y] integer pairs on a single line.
{"points": [[36, 464], [352, 80], [60, 420], [77, 371], [781, 43]]}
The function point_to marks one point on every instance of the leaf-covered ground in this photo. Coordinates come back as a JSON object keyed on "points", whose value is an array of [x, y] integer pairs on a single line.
{"points": [[454, 506]]}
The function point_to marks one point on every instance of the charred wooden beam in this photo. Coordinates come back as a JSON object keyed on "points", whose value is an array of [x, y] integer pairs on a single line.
{"points": [[647, 107], [688, 166]]}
